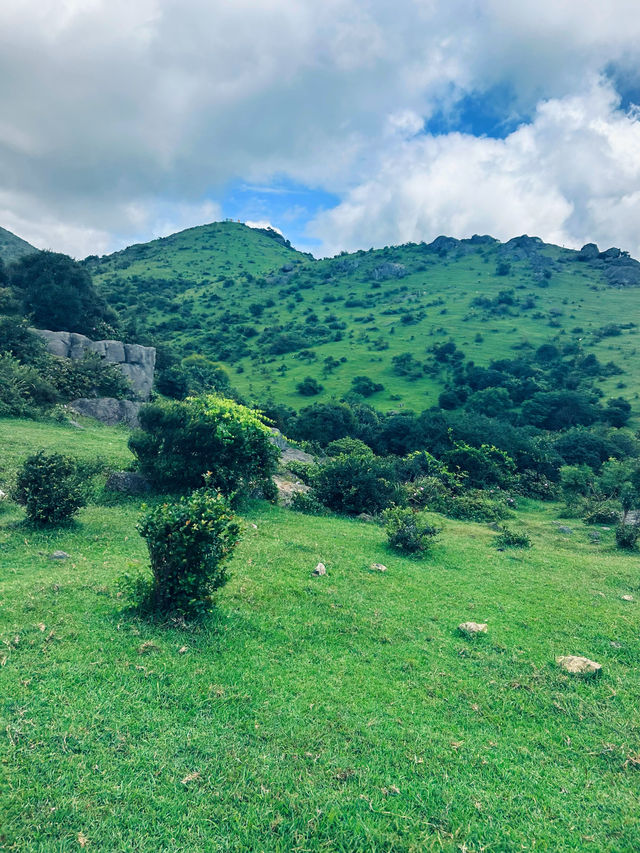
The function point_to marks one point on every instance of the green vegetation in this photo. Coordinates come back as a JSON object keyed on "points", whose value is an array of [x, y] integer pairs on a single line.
{"points": [[50, 487], [188, 544], [342, 712]]}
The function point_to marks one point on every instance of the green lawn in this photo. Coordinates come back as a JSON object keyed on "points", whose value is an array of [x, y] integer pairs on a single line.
{"points": [[340, 713]]}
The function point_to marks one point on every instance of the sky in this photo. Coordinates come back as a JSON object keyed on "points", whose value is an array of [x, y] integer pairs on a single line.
{"points": [[345, 124]]}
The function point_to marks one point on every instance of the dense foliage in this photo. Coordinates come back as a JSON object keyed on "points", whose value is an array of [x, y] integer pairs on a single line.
{"points": [[180, 441]]}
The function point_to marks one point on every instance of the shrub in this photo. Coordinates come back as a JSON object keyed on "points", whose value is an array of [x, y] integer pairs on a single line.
{"points": [[89, 376], [309, 387], [50, 487], [180, 440], [355, 484], [508, 538], [407, 531], [348, 447], [627, 536], [473, 506], [307, 503], [189, 542]]}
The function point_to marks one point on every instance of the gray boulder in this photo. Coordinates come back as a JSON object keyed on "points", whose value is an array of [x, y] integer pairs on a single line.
{"points": [[136, 362], [589, 252], [108, 410], [128, 483]]}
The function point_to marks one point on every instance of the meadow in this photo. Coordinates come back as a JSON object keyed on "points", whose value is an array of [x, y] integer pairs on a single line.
{"points": [[335, 713]]}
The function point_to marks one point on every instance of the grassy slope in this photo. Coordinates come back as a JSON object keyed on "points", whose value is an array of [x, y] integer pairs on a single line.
{"points": [[441, 287], [12, 248], [337, 713]]}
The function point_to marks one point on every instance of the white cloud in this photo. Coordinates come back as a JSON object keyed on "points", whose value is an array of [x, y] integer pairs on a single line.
{"points": [[121, 117], [570, 176]]}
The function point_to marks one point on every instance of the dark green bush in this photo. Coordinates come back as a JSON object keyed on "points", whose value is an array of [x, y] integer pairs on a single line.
{"points": [[189, 542], [307, 503], [348, 447], [355, 484], [51, 487], [179, 441], [309, 387], [474, 505], [627, 536], [508, 538], [23, 391], [407, 531]]}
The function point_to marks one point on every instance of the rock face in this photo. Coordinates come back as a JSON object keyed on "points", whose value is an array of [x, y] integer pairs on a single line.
{"points": [[108, 410], [135, 361], [576, 665]]}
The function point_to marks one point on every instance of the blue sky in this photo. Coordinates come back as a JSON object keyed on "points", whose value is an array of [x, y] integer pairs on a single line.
{"points": [[346, 124]]}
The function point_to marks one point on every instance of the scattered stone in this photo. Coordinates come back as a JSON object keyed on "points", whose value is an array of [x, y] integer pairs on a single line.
{"points": [[319, 570], [378, 567], [472, 628], [566, 530], [255, 526], [128, 483], [627, 598], [3, 495], [59, 555], [576, 665], [615, 645], [287, 487], [605, 528], [365, 516]]}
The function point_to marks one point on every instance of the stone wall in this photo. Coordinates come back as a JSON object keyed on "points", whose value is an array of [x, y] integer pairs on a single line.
{"points": [[135, 361]]}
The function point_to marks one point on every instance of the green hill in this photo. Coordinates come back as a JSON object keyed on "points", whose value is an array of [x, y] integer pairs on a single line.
{"points": [[275, 316], [13, 248]]}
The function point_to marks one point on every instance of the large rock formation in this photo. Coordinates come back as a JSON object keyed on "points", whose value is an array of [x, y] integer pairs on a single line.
{"points": [[108, 410], [135, 361]]}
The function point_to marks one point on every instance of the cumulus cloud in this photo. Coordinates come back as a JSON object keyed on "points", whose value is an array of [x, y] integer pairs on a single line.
{"points": [[120, 119], [570, 175]]}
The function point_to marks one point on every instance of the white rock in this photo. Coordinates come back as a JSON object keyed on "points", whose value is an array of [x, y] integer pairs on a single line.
{"points": [[320, 569], [473, 628], [59, 555], [378, 567], [3, 495], [627, 598], [576, 665]]}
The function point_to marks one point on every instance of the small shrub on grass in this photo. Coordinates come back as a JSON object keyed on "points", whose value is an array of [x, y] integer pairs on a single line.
{"points": [[508, 538], [474, 505], [189, 542], [305, 502], [51, 488], [407, 531], [627, 536]]}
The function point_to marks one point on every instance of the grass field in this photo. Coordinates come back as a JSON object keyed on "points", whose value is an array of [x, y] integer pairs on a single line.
{"points": [[340, 713]]}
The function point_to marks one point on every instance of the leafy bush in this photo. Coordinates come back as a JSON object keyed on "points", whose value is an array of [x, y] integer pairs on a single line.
{"points": [[407, 531], [179, 441], [307, 503], [22, 389], [309, 387], [355, 484], [51, 487], [365, 386], [348, 447], [189, 542], [474, 505], [89, 376], [599, 511], [508, 538], [627, 536]]}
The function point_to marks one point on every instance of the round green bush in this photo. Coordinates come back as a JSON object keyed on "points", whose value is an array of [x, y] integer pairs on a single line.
{"points": [[189, 542], [51, 488], [407, 531]]}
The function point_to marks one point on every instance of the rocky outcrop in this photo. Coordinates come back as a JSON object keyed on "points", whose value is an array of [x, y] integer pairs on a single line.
{"points": [[135, 361], [128, 483], [108, 410]]}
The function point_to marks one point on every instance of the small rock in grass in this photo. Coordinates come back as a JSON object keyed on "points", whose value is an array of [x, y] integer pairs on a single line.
{"points": [[627, 598], [378, 567], [255, 526], [320, 569], [566, 530], [472, 628], [576, 665], [59, 555], [3, 495]]}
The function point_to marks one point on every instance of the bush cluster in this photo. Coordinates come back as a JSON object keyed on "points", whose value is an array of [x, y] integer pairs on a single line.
{"points": [[407, 531], [51, 487]]}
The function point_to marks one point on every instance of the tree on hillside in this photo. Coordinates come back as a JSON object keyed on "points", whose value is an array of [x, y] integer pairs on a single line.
{"points": [[55, 292]]}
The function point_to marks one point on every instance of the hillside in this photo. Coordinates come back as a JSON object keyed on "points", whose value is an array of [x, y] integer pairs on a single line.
{"points": [[336, 713], [12, 248], [275, 316]]}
